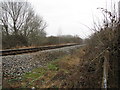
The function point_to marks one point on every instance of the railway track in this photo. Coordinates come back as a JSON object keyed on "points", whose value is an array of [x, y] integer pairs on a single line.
{"points": [[30, 50]]}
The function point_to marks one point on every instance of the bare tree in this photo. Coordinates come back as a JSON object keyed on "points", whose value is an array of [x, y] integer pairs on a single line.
{"points": [[33, 23], [16, 15], [13, 15], [19, 20]]}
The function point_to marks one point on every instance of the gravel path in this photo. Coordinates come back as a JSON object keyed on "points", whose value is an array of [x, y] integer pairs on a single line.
{"points": [[16, 65]]}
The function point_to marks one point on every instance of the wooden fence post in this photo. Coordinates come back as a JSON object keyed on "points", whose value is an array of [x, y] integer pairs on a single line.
{"points": [[105, 70]]}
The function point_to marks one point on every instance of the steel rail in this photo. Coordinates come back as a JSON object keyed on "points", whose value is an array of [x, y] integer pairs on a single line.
{"points": [[30, 50]]}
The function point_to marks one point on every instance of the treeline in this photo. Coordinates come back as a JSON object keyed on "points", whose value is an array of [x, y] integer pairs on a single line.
{"points": [[21, 26], [63, 39], [18, 41]]}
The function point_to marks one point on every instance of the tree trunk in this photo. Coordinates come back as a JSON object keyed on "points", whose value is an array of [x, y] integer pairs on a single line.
{"points": [[15, 29]]}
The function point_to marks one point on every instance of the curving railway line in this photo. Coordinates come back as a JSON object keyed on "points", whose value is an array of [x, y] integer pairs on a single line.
{"points": [[30, 50]]}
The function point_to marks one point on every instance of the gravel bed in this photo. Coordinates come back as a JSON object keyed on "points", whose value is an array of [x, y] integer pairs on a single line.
{"points": [[16, 65]]}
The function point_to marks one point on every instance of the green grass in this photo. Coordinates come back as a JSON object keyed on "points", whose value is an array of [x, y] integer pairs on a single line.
{"points": [[42, 70], [53, 67], [33, 75], [37, 73], [14, 80]]}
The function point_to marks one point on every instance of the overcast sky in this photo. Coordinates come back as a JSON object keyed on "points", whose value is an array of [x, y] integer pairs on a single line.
{"points": [[69, 16]]}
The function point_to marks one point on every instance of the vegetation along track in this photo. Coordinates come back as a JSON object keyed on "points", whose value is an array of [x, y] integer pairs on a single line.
{"points": [[29, 50]]}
